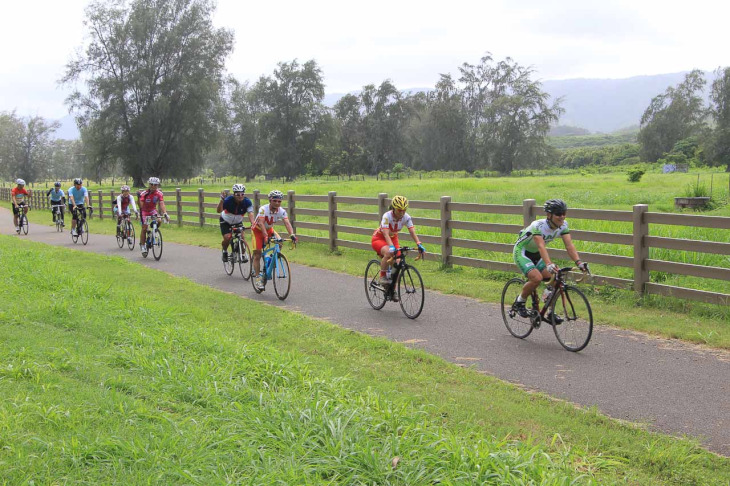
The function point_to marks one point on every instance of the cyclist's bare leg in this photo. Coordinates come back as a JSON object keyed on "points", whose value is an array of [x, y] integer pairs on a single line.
{"points": [[226, 241], [384, 261], [257, 261], [143, 236], [534, 277]]}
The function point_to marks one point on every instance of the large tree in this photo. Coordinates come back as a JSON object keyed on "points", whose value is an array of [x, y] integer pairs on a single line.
{"points": [[246, 148], [674, 115], [26, 147], [719, 147], [153, 72]]}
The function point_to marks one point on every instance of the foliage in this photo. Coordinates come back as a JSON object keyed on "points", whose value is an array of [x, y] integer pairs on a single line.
{"points": [[676, 114], [696, 189], [635, 174], [610, 155], [26, 148], [153, 73], [595, 140], [718, 146]]}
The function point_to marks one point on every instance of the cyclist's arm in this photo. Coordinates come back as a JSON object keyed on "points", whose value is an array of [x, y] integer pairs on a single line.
{"points": [[412, 231], [133, 204], [542, 249], [163, 209], [570, 248], [71, 199], [15, 202], [86, 199], [386, 235], [260, 226], [288, 227], [251, 218], [219, 208]]}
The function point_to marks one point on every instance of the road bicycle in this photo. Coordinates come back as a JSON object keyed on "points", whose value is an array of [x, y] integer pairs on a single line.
{"points": [[22, 218], [569, 313], [240, 253], [82, 227], [125, 233], [154, 237], [274, 267], [407, 286], [58, 216]]}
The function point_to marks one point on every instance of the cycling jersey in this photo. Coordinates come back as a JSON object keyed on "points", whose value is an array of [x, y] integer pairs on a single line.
{"points": [[19, 194], [233, 212], [269, 218], [394, 225], [540, 227], [79, 195], [56, 195], [148, 200], [123, 202]]}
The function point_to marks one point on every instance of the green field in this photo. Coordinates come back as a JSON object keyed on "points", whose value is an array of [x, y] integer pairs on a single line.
{"points": [[103, 382]]}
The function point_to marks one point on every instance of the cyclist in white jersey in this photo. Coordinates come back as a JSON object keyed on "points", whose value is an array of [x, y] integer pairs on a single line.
{"points": [[530, 251], [268, 216]]}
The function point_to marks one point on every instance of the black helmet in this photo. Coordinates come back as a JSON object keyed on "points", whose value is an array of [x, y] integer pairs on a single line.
{"points": [[554, 206], [57, 184], [78, 180]]}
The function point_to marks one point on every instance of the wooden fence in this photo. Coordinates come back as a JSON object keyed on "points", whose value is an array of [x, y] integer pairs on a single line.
{"points": [[197, 208]]}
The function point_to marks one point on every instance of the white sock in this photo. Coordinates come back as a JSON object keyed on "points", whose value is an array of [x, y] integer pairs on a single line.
{"points": [[520, 299]]}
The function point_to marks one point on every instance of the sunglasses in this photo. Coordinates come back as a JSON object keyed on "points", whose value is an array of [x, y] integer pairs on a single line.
{"points": [[559, 214], [238, 194]]}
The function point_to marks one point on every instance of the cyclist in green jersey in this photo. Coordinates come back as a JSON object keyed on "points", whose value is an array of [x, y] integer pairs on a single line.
{"points": [[530, 251]]}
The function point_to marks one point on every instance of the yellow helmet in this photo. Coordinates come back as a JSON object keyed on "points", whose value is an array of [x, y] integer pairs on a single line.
{"points": [[399, 202]]}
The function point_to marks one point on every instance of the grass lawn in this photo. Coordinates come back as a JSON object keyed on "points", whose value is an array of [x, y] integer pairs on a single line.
{"points": [[103, 382]]}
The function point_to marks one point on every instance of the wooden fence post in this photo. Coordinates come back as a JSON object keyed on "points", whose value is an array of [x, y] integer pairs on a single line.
{"points": [[101, 204], [111, 194], [641, 250], [292, 215], [332, 207], [256, 202], [382, 207], [527, 217], [201, 207], [445, 231], [178, 204]]}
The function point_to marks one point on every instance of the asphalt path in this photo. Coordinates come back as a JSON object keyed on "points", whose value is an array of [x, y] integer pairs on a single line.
{"points": [[668, 385]]}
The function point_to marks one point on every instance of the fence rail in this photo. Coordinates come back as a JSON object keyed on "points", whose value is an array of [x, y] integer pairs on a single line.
{"points": [[191, 208]]}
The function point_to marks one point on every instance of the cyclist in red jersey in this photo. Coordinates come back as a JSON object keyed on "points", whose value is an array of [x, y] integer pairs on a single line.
{"points": [[385, 238], [149, 200]]}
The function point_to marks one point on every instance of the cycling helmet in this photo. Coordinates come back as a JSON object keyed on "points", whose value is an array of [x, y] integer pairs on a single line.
{"points": [[276, 194], [553, 206], [154, 180], [78, 180], [125, 188], [399, 202], [20, 182], [238, 188], [56, 184]]}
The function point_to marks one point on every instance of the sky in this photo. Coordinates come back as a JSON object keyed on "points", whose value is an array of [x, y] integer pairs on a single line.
{"points": [[409, 42]]}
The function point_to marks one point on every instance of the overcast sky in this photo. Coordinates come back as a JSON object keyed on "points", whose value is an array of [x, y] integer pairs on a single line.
{"points": [[409, 42]]}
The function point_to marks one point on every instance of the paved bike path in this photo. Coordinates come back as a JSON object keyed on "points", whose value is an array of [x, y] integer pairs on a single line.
{"points": [[674, 387]]}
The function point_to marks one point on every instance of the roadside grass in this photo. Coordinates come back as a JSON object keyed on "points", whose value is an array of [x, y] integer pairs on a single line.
{"points": [[106, 382], [695, 322]]}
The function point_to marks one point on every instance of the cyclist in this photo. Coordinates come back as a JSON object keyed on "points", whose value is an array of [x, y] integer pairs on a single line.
{"points": [[530, 251], [57, 197], [385, 238], [268, 216], [78, 199], [17, 195], [121, 206], [149, 200], [232, 209]]}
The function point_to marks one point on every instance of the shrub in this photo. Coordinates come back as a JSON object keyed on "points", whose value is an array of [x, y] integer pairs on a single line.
{"points": [[635, 174]]}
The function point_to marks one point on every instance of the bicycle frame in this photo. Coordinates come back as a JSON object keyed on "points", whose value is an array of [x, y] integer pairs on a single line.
{"points": [[273, 251], [398, 266], [152, 223], [558, 284]]}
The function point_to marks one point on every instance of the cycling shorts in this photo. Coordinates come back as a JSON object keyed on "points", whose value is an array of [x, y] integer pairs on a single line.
{"points": [[378, 242], [527, 260], [227, 228], [258, 239], [16, 211], [146, 214]]}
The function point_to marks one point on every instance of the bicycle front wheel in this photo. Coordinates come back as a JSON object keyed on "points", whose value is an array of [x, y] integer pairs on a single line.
{"points": [[157, 245], [576, 327], [24, 224], [410, 292], [282, 277], [59, 223], [120, 236], [230, 264], [373, 291], [245, 262], [129, 233], [85, 232], [518, 326]]}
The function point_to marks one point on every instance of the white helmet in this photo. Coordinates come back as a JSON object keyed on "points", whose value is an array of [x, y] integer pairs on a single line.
{"points": [[276, 194], [20, 182], [154, 180], [238, 188], [125, 188]]}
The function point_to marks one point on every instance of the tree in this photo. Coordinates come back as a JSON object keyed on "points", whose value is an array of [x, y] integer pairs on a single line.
{"points": [[347, 112], [676, 114], [153, 70], [245, 144], [719, 146], [25, 146]]}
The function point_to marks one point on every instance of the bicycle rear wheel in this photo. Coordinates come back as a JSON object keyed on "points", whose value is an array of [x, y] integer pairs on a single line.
{"points": [[281, 277], [373, 291], [84, 232], [245, 262], [577, 327], [230, 264], [129, 233], [157, 245], [518, 326], [410, 292]]}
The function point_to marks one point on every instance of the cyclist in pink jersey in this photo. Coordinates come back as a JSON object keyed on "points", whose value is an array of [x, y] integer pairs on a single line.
{"points": [[149, 200]]}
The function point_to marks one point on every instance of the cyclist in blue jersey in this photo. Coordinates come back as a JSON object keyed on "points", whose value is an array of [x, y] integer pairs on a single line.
{"points": [[530, 251], [78, 200], [232, 209], [57, 197]]}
